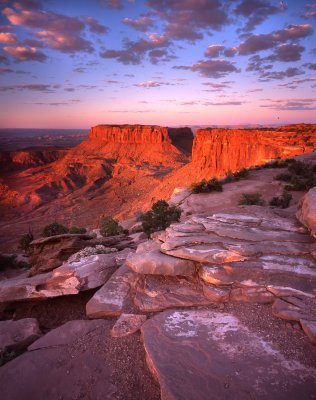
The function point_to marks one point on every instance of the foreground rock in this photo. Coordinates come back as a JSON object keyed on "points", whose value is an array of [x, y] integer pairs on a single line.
{"points": [[70, 278], [49, 253], [54, 371], [206, 354], [110, 300], [306, 213], [151, 261], [127, 324], [17, 335]]}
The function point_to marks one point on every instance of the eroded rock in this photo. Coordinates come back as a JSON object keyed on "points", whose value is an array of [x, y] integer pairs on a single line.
{"points": [[127, 324], [17, 335], [306, 213]]}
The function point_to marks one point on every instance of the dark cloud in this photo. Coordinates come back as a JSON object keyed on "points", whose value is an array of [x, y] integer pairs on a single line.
{"points": [[216, 87], [256, 43], [297, 82], [287, 52], [4, 70], [279, 75], [114, 4], [211, 68], [21, 54], [187, 20], [230, 52], [95, 26], [59, 32], [214, 50], [311, 66], [35, 87], [256, 11], [27, 4], [134, 51], [141, 24]]}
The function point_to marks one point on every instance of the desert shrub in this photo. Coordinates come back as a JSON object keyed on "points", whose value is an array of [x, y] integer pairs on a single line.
{"points": [[76, 230], [25, 241], [251, 199], [6, 355], [54, 229], [282, 201], [206, 186], [236, 176], [159, 217], [11, 261], [109, 227], [284, 176], [90, 251]]}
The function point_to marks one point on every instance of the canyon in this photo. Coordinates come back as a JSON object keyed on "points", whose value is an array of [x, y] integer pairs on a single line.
{"points": [[120, 169]]}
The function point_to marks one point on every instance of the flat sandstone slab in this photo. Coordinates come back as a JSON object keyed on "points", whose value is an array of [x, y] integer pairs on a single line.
{"points": [[202, 354]]}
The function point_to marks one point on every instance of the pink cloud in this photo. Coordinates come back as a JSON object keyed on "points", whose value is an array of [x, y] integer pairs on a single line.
{"points": [[8, 38], [25, 53]]}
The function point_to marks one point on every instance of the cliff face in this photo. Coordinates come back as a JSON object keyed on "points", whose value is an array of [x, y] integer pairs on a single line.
{"points": [[130, 134], [216, 151], [29, 158]]}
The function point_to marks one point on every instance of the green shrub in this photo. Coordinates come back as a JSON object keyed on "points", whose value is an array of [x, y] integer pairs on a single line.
{"points": [[76, 230], [236, 176], [109, 227], [24, 242], [251, 199], [54, 229], [207, 186], [160, 217], [11, 261], [282, 201], [284, 176]]}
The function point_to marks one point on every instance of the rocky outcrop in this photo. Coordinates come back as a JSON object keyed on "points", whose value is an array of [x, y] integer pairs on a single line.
{"points": [[216, 151], [203, 354], [127, 324], [17, 335], [48, 253], [306, 213]]}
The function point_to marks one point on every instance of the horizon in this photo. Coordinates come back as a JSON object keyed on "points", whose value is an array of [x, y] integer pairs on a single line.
{"points": [[174, 63]]}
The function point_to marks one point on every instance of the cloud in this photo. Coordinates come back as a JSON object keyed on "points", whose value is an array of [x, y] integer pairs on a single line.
{"points": [[311, 66], [35, 87], [59, 32], [186, 20], [225, 103], [27, 4], [134, 51], [256, 11], [4, 70], [279, 75], [287, 52], [256, 43], [214, 50], [8, 38], [25, 53], [151, 84], [299, 104], [95, 26], [114, 4], [294, 84], [64, 42], [141, 24], [211, 68], [216, 87]]}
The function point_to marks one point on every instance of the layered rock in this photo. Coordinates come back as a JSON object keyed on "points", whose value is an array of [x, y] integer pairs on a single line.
{"points": [[306, 213]]}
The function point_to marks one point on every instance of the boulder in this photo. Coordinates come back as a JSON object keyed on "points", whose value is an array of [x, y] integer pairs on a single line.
{"points": [[110, 300], [127, 324], [292, 310], [157, 293], [17, 335], [306, 212], [149, 260], [48, 253], [61, 366], [203, 354], [309, 327]]}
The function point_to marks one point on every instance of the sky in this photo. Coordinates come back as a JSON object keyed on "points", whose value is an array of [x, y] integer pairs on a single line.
{"points": [[80, 63]]}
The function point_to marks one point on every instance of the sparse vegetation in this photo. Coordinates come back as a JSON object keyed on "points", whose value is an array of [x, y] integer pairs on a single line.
{"points": [[54, 229], [160, 217], [90, 251], [300, 176], [25, 241], [109, 227], [236, 176], [251, 199], [76, 230], [11, 261], [207, 186], [282, 201]]}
